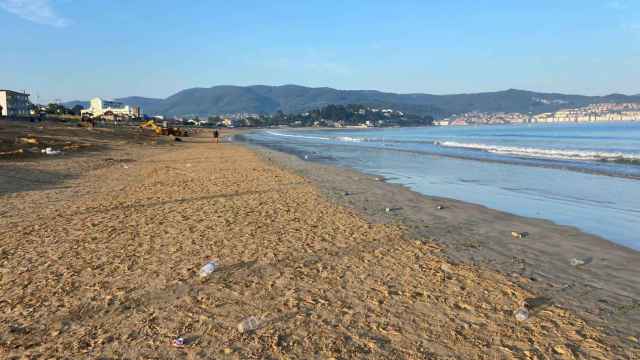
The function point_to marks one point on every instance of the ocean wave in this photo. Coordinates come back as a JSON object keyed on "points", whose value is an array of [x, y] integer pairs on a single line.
{"points": [[350, 139], [298, 136], [334, 138], [555, 154]]}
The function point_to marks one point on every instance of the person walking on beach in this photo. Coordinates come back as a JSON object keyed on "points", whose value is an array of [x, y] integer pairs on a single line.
{"points": [[216, 135]]}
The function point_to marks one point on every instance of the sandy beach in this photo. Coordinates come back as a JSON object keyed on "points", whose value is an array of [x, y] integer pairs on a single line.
{"points": [[100, 252]]}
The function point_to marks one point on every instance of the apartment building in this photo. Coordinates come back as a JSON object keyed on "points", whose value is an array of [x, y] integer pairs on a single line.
{"points": [[13, 103], [98, 106]]}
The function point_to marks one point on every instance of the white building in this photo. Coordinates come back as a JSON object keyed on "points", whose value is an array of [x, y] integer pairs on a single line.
{"points": [[99, 106], [441, 123], [13, 103]]}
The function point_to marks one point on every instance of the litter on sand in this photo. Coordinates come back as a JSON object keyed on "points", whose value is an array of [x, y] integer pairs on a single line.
{"points": [[208, 269], [50, 151], [521, 314], [519, 235], [31, 141], [579, 262], [179, 342], [249, 324], [14, 152]]}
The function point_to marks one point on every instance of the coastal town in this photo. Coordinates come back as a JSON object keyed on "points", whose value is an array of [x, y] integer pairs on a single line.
{"points": [[602, 112], [17, 104]]}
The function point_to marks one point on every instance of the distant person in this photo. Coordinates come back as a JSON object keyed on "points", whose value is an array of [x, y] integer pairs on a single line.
{"points": [[216, 135]]}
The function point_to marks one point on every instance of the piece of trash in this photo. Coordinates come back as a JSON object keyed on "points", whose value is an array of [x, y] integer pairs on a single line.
{"points": [[346, 193], [32, 141], [249, 324], [50, 151], [560, 350], [208, 269], [14, 152], [446, 268], [388, 209], [179, 342], [521, 314], [306, 157], [439, 207], [519, 235], [125, 166], [577, 262]]}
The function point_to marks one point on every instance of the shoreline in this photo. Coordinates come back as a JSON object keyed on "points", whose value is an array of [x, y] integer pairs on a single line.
{"points": [[519, 161], [477, 235], [100, 259]]}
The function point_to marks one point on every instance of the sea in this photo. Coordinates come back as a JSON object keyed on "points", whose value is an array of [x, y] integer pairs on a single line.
{"points": [[585, 175]]}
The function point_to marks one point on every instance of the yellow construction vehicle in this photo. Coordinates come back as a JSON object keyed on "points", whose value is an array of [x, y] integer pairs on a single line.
{"points": [[159, 130]]}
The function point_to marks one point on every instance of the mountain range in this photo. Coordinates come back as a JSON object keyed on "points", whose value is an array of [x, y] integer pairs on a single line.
{"points": [[262, 99]]}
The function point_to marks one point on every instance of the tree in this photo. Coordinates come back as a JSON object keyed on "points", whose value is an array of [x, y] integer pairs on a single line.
{"points": [[76, 110], [56, 109]]}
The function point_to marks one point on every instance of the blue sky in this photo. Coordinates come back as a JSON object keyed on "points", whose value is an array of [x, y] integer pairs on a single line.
{"points": [[77, 49]]}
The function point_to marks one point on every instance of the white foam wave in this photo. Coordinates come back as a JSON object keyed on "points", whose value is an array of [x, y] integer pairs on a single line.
{"points": [[336, 138], [298, 136], [560, 154], [349, 139]]}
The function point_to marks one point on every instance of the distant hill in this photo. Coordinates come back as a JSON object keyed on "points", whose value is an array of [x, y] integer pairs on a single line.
{"points": [[295, 99], [70, 104]]}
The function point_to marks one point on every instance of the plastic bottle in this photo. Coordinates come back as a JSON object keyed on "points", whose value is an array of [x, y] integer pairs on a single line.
{"points": [[521, 314], [208, 269], [576, 262], [249, 324]]}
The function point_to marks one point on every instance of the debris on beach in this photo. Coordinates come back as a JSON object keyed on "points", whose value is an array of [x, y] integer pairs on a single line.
{"points": [[50, 151], [249, 324], [208, 269], [28, 140], [14, 152], [446, 268], [440, 207], [346, 193], [388, 209], [578, 262], [179, 342], [521, 314], [519, 235]]}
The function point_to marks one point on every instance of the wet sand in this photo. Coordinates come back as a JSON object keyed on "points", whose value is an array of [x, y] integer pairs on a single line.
{"points": [[606, 290], [104, 265]]}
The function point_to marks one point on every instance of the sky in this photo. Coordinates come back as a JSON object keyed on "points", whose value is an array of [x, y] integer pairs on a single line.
{"points": [[79, 49]]}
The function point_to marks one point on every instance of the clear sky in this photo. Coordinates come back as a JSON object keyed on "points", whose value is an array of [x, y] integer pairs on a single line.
{"points": [[77, 49]]}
